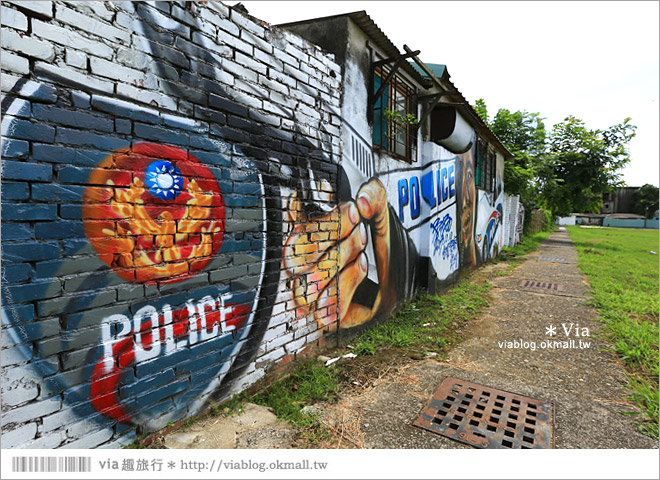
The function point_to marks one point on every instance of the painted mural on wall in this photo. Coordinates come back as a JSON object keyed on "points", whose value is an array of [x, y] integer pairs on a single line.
{"points": [[468, 211], [215, 215], [429, 197], [355, 261], [490, 213], [520, 222], [481, 214], [393, 222], [139, 276], [154, 215]]}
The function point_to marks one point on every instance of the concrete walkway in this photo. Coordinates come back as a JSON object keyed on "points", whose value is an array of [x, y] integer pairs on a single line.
{"points": [[586, 385]]}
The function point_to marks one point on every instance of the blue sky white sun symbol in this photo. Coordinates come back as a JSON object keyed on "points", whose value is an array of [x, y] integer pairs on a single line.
{"points": [[164, 180]]}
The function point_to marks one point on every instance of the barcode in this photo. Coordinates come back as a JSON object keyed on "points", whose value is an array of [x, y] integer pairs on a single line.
{"points": [[51, 464]]}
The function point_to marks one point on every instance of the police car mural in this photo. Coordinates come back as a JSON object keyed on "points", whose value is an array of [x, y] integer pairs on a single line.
{"points": [[178, 234]]}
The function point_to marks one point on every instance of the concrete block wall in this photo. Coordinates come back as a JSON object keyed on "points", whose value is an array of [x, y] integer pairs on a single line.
{"points": [[169, 220], [513, 222]]}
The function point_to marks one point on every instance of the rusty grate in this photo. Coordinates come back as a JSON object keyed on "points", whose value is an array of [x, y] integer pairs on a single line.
{"points": [[553, 287], [486, 417], [552, 259]]}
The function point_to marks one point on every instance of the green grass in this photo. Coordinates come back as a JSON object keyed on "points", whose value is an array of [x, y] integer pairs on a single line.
{"points": [[514, 255], [311, 382], [624, 278], [426, 323]]}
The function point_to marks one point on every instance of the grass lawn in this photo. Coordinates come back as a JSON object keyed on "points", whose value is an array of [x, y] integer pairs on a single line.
{"points": [[624, 277], [427, 323]]}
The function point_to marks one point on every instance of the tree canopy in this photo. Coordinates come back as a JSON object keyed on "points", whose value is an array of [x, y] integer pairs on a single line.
{"points": [[583, 165], [646, 200], [565, 170]]}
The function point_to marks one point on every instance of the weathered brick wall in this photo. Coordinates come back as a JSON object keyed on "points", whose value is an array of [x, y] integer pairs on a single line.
{"points": [[169, 220]]}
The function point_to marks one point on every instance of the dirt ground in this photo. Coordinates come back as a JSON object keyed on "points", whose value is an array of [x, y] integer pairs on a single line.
{"points": [[386, 393]]}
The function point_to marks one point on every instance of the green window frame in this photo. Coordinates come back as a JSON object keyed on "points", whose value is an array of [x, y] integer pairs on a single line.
{"points": [[486, 166], [480, 170], [389, 132]]}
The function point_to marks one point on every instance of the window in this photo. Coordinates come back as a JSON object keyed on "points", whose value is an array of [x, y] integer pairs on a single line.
{"points": [[394, 115], [491, 180], [486, 165], [480, 174]]}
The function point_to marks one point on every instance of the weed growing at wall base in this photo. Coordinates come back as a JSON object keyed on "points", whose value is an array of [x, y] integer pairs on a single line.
{"points": [[624, 278], [427, 323], [514, 255], [311, 382]]}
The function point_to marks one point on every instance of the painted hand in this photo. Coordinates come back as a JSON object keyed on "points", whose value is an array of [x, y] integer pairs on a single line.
{"points": [[372, 206], [321, 261]]}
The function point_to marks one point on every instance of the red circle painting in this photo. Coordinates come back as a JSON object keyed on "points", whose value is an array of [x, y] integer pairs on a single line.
{"points": [[154, 213]]}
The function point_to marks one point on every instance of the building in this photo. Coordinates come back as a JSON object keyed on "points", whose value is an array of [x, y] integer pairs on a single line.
{"points": [[407, 129], [192, 199], [620, 200]]}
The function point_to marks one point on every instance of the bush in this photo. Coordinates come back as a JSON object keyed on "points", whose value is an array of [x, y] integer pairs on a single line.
{"points": [[548, 221]]}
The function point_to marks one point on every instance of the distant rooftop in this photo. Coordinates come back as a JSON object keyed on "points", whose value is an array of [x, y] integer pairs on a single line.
{"points": [[609, 215]]}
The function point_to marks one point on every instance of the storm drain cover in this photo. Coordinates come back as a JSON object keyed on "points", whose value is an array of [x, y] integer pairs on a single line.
{"points": [[486, 417], [554, 287], [552, 259]]}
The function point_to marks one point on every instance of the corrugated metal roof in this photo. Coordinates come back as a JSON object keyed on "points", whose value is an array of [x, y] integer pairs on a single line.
{"points": [[369, 27], [364, 21], [373, 31]]}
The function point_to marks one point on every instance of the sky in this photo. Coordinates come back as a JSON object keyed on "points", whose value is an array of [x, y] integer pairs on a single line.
{"points": [[595, 60]]}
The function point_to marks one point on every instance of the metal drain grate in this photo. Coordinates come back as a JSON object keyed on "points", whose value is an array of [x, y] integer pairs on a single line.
{"points": [[486, 417], [554, 287], [552, 259]]}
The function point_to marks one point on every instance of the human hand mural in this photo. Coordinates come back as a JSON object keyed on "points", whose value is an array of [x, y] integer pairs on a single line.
{"points": [[321, 262]]}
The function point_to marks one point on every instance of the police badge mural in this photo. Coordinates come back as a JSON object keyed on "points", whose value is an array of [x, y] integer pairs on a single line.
{"points": [[157, 287]]}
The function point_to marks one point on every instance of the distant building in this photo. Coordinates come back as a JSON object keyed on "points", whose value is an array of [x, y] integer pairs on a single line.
{"points": [[620, 220], [619, 201]]}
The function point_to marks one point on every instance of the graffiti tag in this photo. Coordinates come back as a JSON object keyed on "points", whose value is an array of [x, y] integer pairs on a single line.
{"points": [[444, 241]]}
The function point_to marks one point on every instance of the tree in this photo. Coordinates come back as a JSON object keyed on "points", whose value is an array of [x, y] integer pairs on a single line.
{"points": [[565, 171], [481, 109], [645, 200], [523, 134], [520, 131], [581, 165]]}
